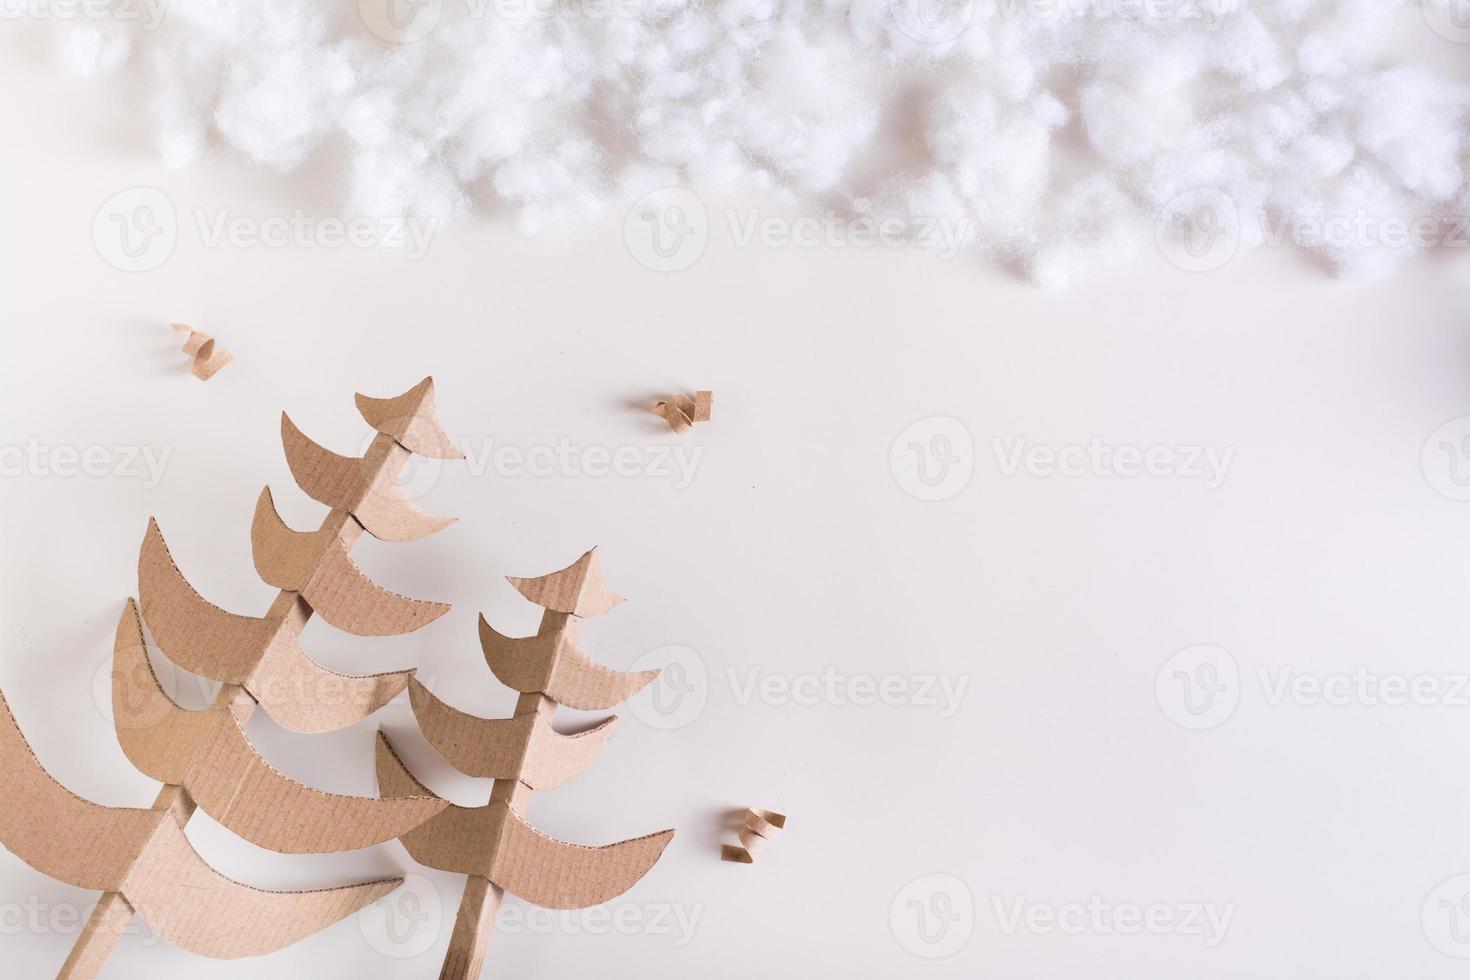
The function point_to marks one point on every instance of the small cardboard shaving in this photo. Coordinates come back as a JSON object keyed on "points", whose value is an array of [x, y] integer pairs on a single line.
{"points": [[208, 356], [760, 826], [681, 411]]}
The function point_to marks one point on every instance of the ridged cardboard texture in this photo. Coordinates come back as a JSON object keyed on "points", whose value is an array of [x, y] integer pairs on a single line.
{"points": [[493, 845], [141, 858]]}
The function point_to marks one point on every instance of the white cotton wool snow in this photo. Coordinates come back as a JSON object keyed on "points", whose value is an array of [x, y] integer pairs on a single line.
{"points": [[1055, 137]]}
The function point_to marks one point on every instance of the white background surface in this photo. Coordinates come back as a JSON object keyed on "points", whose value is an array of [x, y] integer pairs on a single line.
{"points": [[1057, 601]]}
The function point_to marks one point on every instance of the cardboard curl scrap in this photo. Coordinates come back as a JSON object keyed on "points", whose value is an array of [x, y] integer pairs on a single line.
{"points": [[208, 356], [140, 858], [681, 411], [493, 845], [758, 827]]}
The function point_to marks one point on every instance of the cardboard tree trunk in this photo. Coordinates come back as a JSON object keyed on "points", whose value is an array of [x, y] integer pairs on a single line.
{"points": [[494, 845], [141, 858]]}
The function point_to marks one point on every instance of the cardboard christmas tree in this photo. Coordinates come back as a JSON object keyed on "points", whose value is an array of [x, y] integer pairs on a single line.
{"points": [[141, 858], [493, 845]]}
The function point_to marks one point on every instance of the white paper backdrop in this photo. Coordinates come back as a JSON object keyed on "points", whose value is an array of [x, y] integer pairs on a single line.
{"points": [[1057, 792]]}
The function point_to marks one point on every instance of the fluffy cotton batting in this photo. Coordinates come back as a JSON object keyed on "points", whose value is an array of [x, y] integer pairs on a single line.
{"points": [[1059, 135]]}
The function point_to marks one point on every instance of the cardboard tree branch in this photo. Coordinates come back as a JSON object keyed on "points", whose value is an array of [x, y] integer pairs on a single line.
{"points": [[203, 757], [493, 845], [143, 857]]}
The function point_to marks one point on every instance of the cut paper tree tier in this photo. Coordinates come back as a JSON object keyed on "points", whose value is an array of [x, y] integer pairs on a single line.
{"points": [[493, 845], [140, 858]]}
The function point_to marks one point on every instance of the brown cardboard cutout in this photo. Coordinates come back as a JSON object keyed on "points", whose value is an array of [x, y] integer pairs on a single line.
{"points": [[208, 356], [144, 856], [494, 842], [358, 486], [681, 411], [759, 827], [493, 845], [411, 419], [207, 753], [553, 664], [523, 747], [576, 590], [316, 564], [262, 655]]}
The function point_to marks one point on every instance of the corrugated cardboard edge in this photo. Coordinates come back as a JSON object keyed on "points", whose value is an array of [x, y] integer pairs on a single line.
{"points": [[553, 664], [523, 747], [349, 484], [316, 564], [208, 754], [577, 590], [262, 655], [493, 841], [144, 855], [411, 419]]}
